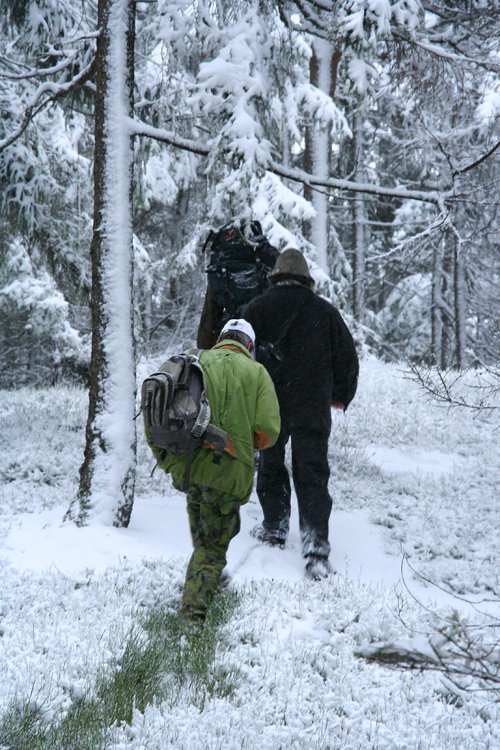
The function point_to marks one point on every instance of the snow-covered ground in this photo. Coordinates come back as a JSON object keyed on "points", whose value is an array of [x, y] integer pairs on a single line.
{"points": [[415, 489]]}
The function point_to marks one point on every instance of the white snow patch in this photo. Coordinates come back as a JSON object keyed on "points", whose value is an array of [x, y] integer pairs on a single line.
{"points": [[412, 459], [69, 596]]}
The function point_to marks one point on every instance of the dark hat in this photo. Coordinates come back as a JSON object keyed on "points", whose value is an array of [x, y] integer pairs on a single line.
{"points": [[291, 265]]}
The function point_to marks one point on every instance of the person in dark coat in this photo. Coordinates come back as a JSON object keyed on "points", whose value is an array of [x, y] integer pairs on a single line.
{"points": [[310, 354], [240, 259]]}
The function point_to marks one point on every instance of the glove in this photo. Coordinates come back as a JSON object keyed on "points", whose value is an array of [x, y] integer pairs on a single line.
{"points": [[338, 405]]}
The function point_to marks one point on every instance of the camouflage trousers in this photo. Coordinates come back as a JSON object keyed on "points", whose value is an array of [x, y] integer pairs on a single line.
{"points": [[214, 519]]}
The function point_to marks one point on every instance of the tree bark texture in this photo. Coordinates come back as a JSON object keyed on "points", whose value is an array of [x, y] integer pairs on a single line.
{"points": [[358, 266], [107, 475]]}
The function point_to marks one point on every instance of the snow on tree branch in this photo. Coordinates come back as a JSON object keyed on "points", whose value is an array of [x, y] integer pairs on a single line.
{"points": [[453, 57], [46, 94], [297, 175], [472, 388], [464, 649], [477, 162], [468, 657]]}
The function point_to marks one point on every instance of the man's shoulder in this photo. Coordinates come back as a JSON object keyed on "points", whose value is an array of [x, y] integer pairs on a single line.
{"points": [[314, 304], [221, 352], [326, 305], [261, 300], [210, 359]]}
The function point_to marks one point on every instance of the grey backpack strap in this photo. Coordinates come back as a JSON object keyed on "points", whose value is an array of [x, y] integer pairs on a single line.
{"points": [[204, 429]]}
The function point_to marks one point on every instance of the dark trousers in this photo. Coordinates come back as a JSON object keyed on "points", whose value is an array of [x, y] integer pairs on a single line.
{"points": [[310, 471]]}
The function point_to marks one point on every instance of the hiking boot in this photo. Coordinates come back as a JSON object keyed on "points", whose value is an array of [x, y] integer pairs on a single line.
{"points": [[272, 537], [317, 568]]}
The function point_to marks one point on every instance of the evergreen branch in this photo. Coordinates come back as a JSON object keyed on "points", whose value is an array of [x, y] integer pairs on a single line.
{"points": [[311, 11], [318, 5], [298, 175], [310, 16], [137, 127], [41, 72], [444, 54], [41, 100]]}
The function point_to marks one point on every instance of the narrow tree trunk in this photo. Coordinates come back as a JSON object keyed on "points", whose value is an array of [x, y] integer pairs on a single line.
{"points": [[447, 307], [107, 475], [443, 312], [459, 290], [323, 68], [359, 222], [309, 146], [436, 310], [321, 143]]}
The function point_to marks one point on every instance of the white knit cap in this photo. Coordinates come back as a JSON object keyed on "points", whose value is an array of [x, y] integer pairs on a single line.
{"points": [[238, 324]]}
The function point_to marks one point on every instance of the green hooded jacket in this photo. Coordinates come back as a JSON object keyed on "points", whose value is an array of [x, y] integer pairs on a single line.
{"points": [[244, 403]]}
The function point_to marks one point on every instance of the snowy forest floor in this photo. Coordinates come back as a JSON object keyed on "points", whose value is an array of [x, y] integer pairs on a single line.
{"points": [[415, 490]]}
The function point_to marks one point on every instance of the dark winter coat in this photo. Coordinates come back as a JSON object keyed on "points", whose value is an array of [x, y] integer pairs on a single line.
{"points": [[319, 361]]}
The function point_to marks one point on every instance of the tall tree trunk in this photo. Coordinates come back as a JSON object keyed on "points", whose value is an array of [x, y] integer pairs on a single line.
{"points": [[436, 309], [309, 146], [358, 266], [322, 73], [107, 475], [321, 145], [460, 306], [447, 306]]}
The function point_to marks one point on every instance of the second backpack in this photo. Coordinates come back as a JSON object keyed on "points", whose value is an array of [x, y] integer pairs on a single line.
{"points": [[240, 259]]}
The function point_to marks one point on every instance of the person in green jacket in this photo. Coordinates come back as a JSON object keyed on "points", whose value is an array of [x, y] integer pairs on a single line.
{"points": [[243, 402]]}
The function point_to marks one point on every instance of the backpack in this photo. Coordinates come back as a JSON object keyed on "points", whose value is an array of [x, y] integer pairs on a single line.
{"points": [[240, 259], [176, 410]]}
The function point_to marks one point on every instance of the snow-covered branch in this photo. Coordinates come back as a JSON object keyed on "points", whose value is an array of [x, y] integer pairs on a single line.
{"points": [[477, 162], [311, 22], [297, 175], [41, 72], [47, 94], [465, 651], [469, 657], [444, 386], [444, 54], [137, 127]]}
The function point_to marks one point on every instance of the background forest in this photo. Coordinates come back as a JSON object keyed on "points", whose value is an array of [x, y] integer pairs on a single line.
{"points": [[364, 132]]}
